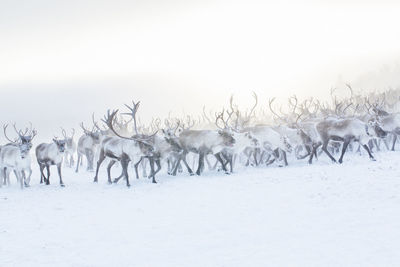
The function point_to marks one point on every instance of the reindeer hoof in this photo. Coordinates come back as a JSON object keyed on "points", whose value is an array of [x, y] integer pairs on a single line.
{"points": [[62, 185], [154, 182], [191, 174], [109, 182], [128, 185]]}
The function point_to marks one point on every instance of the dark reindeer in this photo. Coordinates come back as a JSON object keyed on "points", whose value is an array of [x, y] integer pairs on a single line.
{"points": [[48, 155]]}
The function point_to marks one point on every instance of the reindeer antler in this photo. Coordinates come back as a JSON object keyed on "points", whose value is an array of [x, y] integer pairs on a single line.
{"points": [[64, 133], [272, 110], [133, 109], [5, 134], [220, 117], [86, 131]]}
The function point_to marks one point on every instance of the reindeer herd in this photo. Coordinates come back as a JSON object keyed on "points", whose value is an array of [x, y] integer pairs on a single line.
{"points": [[260, 136]]}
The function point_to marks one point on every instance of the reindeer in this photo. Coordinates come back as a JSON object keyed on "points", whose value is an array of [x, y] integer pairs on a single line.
{"points": [[203, 142], [122, 149], [48, 155], [270, 142], [175, 153], [243, 139], [346, 131], [87, 145], [70, 148], [15, 156]]}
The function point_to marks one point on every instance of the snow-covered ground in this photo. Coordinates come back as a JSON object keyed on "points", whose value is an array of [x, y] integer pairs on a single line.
{"points": [[319, 215]]}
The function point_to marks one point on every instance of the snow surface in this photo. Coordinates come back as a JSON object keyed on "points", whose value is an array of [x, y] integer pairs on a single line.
{"points": [[320, 215]]}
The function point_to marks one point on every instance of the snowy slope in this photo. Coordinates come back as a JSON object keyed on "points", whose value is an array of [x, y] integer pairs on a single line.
{"points": [[319, 215]]}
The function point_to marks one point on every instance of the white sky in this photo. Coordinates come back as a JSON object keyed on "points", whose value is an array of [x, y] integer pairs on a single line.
{"points": [[60, 60]]}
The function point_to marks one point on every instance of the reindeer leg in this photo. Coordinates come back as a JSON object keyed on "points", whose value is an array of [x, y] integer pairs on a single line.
{"points": [[71, 161], [3, 173], [168, 166], [284, 157], [256, 151], [8, 172], [119, 177], [78, 162], [16, 176], [124, 162], [23, 176], [385, 142], [48, 174], [317, 154], [394, 141], [345, 144], [175, 168], [201, 162], [102, 156], [59, 174], [187, 165], [137, 167], [88, 154], [28, 179], [248, 155], [152, 172], [208, 163], [230, 159], [377, 145], [112, 162], [144, 165], [6, 177], [371, 145], [324, 148], [313, 153], [42, 177], [19, 178], [219, 158], [369, 152]]}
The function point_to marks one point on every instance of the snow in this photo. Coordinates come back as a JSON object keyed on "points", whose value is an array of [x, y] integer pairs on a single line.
{"points": [[320, 215]]}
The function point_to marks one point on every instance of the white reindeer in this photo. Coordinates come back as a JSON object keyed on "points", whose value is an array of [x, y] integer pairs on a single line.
{"points": [[122, 149], [70, 148], [15, 157]]}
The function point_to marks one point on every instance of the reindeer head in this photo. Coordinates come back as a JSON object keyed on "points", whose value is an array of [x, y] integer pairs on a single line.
{"points": [[95, 134], [60, 144], [373, 128], [68, 139], [24, 137], [24, 149]]}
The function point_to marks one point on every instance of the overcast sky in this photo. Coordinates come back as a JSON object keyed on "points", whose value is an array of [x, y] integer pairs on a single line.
{"points": [[61, 60]]}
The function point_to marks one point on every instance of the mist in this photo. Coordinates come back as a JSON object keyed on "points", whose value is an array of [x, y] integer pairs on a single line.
{"points": [[62, 62]]}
